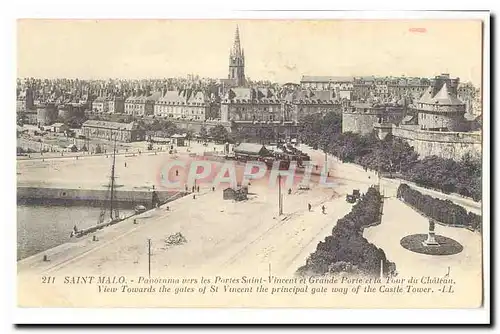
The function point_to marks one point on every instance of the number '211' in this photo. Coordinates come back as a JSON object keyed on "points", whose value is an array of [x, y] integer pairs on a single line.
{"points": [[48, 279]]}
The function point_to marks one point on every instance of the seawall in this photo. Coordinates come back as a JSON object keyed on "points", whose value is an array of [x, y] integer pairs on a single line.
{"points": [[90, 197]]}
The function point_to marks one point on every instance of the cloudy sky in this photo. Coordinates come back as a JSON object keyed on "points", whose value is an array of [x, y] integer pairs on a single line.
{"points": [[277, 50]]}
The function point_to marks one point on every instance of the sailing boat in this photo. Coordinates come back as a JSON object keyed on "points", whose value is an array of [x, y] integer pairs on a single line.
{"points": [[114, 216]]}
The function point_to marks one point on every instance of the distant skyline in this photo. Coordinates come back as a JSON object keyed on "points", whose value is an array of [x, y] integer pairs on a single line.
{"points": [[276, 50]]}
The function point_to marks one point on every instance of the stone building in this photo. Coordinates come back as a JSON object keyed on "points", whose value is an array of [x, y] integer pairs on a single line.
{"points": [[186, 104], [306, 102], [135, 105], [327, 83], [142, 105], [251, 104], [386, 89], [100, 105], [410, 87], [116, 105], [108, 130], [360, 117]]}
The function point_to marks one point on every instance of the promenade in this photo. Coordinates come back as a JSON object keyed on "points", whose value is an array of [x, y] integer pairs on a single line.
{"points": [[225, 237]]}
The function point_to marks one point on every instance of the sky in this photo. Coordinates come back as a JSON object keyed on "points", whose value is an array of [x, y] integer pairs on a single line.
{"points": [[276, 50]]}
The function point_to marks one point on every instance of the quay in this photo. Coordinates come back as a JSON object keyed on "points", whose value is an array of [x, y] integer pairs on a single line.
{"points": [[91, 197]]}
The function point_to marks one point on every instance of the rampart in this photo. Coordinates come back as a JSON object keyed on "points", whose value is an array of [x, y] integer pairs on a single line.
{"points": [[448, 145], [197, 125]]}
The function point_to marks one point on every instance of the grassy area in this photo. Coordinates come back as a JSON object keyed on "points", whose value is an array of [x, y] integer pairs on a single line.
{"points": [[447, 246]]}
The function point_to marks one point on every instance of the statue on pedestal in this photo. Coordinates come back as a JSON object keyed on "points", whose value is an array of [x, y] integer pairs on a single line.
{"points": [[431, 237]]}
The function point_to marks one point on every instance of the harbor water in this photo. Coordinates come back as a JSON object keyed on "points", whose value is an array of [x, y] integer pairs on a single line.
{"points": [[43, 227]]}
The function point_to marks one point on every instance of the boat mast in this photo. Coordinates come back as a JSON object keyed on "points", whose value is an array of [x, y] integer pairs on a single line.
{"points": [[113, 179]]}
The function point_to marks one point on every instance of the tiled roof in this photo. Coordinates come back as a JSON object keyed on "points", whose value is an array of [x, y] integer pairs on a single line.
{"points": [[249, 148], [311, 96], [307, 78], [136, 99], [154, 97]]}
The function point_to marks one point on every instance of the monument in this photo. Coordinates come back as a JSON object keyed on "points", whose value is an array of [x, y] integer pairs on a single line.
{"points": [[431, 236]]}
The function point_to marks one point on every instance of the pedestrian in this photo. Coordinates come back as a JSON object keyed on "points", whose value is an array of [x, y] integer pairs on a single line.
{"points": [[186, 187], [213, 188], [194, 196], [290, 191], [309, 206], [125, 165], [198, 189], [323, 209], [177, 173], [192, 189]]}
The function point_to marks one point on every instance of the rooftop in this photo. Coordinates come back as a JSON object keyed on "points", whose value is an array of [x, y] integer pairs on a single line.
{"points": [[312, 78], [443, 97]]}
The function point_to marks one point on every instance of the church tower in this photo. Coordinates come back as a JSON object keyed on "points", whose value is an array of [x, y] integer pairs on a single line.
{"points": [[237, 61]]}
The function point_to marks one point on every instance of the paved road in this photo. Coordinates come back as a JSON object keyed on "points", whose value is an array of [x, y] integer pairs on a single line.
{"points": [[351, 170]]}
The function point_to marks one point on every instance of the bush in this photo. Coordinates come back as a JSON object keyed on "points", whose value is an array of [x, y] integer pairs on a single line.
{"points": [[346, 250], [444, 211]]}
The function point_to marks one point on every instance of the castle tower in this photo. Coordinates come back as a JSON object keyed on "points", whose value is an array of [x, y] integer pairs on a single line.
{"points": [[237, 61], [439, 108]]}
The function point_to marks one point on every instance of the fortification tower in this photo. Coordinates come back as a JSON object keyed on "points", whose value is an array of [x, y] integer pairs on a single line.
{"points": [[439, 108]]}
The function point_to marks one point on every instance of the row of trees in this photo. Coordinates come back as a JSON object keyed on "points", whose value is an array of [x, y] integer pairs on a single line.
{"points": [[393, 155], [346, 250], [443, 211]]}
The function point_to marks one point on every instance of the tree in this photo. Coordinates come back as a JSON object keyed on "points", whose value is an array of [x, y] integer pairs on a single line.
{"points": [[203, 133], [219, 133], [189, 135]]}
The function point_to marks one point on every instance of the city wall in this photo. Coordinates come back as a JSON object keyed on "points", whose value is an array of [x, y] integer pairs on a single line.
{"points": [[35, 146], [197, 125], [448, 145], [90, 197]]}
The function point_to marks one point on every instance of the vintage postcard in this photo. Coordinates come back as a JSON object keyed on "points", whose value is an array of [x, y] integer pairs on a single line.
{"points": [[228, 163]]}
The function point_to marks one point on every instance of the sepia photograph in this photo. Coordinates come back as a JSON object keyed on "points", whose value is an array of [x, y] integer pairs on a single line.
{"points": [[258, 163]]}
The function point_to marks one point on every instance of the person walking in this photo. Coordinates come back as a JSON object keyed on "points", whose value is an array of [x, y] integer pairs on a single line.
{"points": [[323, 209], [309, 206]]}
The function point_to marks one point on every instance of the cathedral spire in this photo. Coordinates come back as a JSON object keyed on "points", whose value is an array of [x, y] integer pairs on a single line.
{"points": [[237, 61], [237, 44]]}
